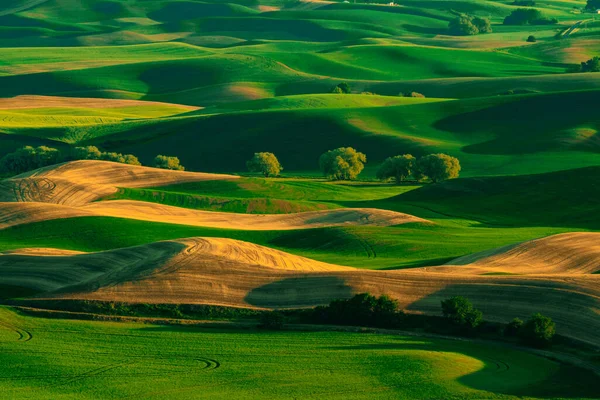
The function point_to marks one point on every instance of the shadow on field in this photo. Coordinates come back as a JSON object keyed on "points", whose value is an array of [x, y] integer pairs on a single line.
{"points": [[306, 291], [505, 371]]}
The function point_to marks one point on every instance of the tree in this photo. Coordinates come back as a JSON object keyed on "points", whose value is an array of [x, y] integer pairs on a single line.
{"points": [[531, 39], [592, 5], [168, 162], [513, 327], [29, 158], [591, 65], [343, 163], [342, 88], [460, 311], [265, 163], [398, 167], [538, 331], [273, 320], [438, 167]]}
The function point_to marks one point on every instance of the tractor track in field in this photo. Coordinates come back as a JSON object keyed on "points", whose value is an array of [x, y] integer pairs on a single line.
{"points": [[501, 366], [31, 189], [24, 335]]}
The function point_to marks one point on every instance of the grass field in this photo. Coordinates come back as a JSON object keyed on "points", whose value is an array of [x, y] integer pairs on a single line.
{"points": [[112, 360]]}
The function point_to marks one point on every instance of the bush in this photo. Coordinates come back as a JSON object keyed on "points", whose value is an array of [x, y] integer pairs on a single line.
{"points": [[273, 320], [120, 158], [531, 39], [460, 312], [29, 158], [168, 162], [513, 327], [93, 153], [342, 88], [437, 167], [265, 163], [538, 331], [398, 168], [531, 16], [86, 153], [466, 25], [343, 163]]}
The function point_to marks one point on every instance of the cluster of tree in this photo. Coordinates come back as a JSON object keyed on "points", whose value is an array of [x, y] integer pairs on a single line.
{"points": [[342, 88], [345, 163], [538, 331], [411, 94], [591, 65], [363, 309], [29, 158], [528, 16], [168, 162], [466, 24], [93, 153], [264, 163], [436, 167], [460, 317]]}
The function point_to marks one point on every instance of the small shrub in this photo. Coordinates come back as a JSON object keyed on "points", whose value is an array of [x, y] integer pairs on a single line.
{"points": [[531, 39]]}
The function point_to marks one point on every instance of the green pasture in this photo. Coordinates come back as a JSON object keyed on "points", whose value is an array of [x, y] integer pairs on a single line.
{"points": [[60, 359]]}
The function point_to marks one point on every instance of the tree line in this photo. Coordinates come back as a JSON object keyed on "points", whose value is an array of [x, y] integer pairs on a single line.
{"points": [[29, 158], [345, 163], [460, 317]]}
